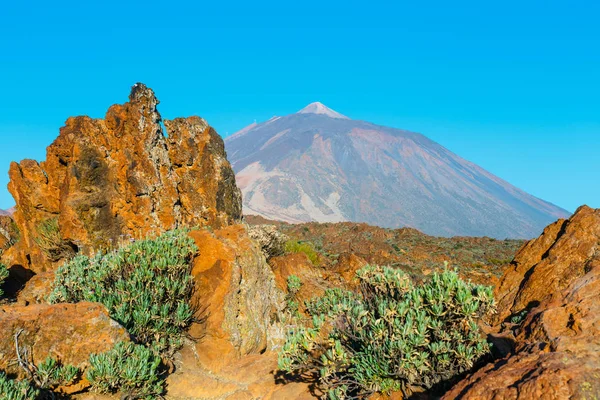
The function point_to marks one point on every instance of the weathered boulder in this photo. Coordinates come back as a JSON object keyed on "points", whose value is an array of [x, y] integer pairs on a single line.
{"points": [[237, 289], [37, 289], [106, 180], [557, 344], [68, 332]]}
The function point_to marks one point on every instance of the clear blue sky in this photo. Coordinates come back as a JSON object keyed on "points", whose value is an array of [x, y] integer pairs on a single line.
{"points": [[513, 86]]}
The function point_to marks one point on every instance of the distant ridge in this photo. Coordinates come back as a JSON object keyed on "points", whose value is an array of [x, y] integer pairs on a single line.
{"points": [[8, 212], [319, 165]]}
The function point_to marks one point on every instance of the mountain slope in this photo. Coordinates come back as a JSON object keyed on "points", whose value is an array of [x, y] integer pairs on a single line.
{"points": [[8, 212], [318, 165]]}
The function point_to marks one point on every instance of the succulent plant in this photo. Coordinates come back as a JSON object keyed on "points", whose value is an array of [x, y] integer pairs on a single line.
{"points": [[390, 335], [146, 286], [12, 389], [128, 368]]}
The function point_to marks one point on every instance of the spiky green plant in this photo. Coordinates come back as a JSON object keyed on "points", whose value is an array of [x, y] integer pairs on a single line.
{"points": [[297, 246], [146, 286], [3, 276], [131, 369], [390, 335], [12, 389]]}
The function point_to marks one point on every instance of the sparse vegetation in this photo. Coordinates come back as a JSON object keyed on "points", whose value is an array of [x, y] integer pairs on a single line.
{"points": [[3, 276], [51, 373], [408, 249], [146, 286], [294, 284], [389, 336], [12, 389], [50, 241], [131, 369], [298, 246], [46, 376]]}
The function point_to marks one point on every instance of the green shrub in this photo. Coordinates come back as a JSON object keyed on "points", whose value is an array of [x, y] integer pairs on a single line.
{"points": [[390, 335], [50, 241], [128, 368], [3, 276], [291, 299], [146, 286], [43, 379], [51, 374], [297, 246], [11, 389]]}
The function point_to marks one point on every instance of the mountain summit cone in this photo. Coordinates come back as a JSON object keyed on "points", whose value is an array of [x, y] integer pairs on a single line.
{"points": [[320, 108]]}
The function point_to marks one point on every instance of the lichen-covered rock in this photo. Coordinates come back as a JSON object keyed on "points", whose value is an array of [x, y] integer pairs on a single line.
{"points": [[106, 180], [237, 287], [270, 239], [37, 289], [9, 234], [68, 332], [556, 355]]}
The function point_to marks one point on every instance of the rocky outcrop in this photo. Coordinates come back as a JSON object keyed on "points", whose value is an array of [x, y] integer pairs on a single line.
{"points": [[107, 180], [557, 344], [237, 288], [566, 250], [68, 332]]}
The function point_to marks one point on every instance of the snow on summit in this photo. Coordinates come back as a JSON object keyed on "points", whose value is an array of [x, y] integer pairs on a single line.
{"points": [[320, 108]]}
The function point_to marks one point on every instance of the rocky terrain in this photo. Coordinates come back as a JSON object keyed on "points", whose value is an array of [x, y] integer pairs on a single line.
{"points": [[106, 184], [549, 310], [337, 245], [318, 165]]}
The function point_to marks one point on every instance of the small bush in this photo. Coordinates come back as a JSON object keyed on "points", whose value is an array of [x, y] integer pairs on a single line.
{"points": [[3, 276], [294, 284], [11, 389], [51, 374], [389, 336], [296, 246], [50, 241], [146, 286], [128, 368]]}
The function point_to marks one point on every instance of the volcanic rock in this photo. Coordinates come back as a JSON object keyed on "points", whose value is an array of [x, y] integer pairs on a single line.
{"points": [[271, 240], [237, 287], [566, 250], [107, 180], [9, 233], [68, 332], [312, 278], [557, 344]]}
